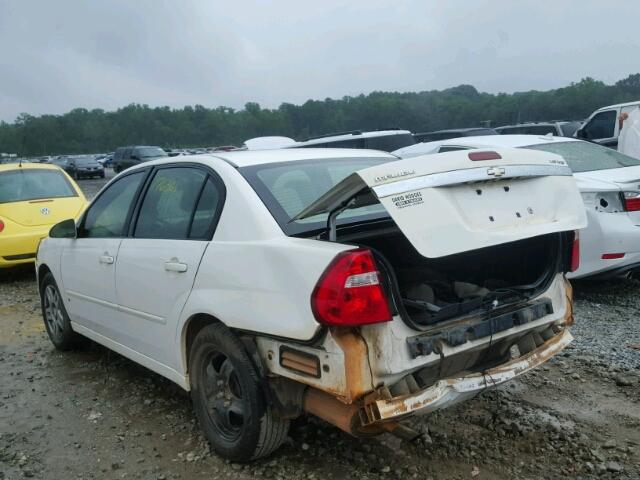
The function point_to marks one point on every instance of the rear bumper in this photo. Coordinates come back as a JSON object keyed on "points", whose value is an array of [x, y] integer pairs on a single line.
{"points": [[450, 391], [21, 248]]}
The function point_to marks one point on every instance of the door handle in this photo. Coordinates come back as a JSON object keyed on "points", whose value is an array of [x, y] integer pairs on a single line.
{"points": [[106, 259], [174, 265]]}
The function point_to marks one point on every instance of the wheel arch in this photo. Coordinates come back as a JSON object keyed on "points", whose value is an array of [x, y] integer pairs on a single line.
{"points": [[43, 269], [190, 329]]}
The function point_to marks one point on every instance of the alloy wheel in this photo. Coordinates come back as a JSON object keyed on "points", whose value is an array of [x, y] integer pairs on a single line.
{"points": [[53, 311]]}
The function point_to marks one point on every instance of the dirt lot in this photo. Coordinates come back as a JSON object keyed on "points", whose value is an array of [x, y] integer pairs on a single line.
{"points": [[92, 414]]}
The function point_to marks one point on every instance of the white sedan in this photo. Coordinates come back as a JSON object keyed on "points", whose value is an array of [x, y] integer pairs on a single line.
{"points": [[610, 185], [341, 283]]}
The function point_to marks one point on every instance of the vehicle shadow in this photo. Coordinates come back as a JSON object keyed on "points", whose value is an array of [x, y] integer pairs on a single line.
{"points": [[24, 272]]}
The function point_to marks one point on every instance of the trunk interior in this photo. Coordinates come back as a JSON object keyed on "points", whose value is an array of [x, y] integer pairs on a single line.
{"points": [[431, 290]]}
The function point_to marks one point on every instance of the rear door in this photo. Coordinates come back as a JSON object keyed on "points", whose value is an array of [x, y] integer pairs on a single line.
{"points": [[459, 201], [88, 262], [157, 263]]}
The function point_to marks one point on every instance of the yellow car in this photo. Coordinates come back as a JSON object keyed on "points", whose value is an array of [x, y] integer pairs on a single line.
{"points": [[33, 198]]}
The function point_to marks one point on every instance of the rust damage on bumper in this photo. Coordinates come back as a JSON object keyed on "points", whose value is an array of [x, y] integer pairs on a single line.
{"points": [[449, 391]]}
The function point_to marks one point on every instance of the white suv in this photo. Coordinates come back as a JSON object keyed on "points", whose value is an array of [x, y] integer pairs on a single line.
{"points": [[342, 283]]}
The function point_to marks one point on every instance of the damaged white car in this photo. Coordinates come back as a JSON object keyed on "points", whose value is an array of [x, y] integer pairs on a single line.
{"points": [[342, 283]]}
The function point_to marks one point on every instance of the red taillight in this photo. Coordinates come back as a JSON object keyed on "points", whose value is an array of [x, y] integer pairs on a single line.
{"points": [[479, 156], [1, 226], [575, 252], [631, 201], [612, 256], [349, 293]]}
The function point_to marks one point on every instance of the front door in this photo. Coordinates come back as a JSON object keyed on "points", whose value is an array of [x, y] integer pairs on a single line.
{"points": [[88, 262], [158, 263]]}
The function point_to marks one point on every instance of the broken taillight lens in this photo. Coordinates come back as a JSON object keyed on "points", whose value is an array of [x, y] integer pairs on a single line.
{"points": [[631, 201], [575, 252], [349, 292]]}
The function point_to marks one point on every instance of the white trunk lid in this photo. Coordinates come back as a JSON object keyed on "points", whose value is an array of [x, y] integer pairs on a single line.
{"points": [[446, 203]]}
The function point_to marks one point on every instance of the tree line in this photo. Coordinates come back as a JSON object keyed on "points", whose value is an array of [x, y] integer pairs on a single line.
{"points": [[91, 131]]}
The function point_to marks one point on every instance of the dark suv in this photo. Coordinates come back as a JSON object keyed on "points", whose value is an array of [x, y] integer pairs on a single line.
{"points": [[125, 157]]}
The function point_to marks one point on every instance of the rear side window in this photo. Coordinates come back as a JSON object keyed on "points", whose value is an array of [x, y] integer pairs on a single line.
{"points": [[207, 210], [27, 184], [107, 216], [169, 203], [601, 126]]}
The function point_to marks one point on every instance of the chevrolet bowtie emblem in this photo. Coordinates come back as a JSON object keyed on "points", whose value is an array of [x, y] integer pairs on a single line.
{"points": [[495, 171]]}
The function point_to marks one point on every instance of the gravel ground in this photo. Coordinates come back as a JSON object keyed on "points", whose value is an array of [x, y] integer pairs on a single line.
{"points": [[92, 414]]}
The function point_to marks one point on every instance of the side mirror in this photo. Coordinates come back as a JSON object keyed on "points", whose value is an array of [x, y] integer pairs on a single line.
{"points": [[64, 229], [581, 134]]}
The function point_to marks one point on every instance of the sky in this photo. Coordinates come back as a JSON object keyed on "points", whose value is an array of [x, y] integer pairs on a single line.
{"points": [[62, 54]]}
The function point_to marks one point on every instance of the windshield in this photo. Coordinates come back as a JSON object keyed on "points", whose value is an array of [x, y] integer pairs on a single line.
{"points": [[147, 152], [587, 157], [27, 184], [289, 187]]}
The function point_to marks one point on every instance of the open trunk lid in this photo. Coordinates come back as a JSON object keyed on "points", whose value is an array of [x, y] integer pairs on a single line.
{"points": [[447, 203]]}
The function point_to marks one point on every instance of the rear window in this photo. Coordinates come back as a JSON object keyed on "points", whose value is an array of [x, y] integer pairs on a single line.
{"points": [[85, 161], [148, 152], [587, 157], [568, 129], [289, 187], [389, 143], [27, 184]]}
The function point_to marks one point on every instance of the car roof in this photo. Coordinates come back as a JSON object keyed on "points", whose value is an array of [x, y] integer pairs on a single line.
{"points": [[455, 130], [355, 134], [27, 166], [512, 141], [628, 104], [247, 158], [487, 141]]}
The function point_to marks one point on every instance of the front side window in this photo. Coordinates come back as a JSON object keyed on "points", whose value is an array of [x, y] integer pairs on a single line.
{"points": [[31, 184], [107, 216], [169, 203], [601, 126], [587, 157]]}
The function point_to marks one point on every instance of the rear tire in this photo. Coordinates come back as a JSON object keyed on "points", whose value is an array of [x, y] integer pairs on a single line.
{"points": [[228, 398], [56, 320]]}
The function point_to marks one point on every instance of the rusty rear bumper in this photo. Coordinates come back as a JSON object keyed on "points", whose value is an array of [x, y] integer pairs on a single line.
{"points": [[450, 391]]}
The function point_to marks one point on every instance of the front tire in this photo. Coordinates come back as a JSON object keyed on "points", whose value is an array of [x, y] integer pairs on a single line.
{"points": [[228, 398], [56, 320]]}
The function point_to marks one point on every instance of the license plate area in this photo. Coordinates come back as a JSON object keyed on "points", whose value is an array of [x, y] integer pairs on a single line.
{"points": [[427, 344]]}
